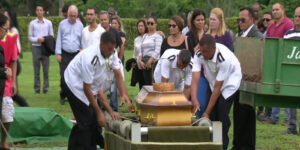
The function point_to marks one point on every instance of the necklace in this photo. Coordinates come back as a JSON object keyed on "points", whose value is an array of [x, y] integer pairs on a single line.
{"points": [[175, 39]]}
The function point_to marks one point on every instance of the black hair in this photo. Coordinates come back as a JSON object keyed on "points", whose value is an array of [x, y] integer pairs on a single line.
{"points": [[250, 11], [40, 5], [185, 56], [94, 8], [196, 13], [13, 18], [207, 40], [269, 13], [153, 16], [65, 8], [81, 19], [3, 20], [260, 25], [108, 37]]}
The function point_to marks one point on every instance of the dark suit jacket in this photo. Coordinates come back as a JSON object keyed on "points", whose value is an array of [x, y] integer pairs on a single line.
{"points": [[48, 47], [254, 32]]}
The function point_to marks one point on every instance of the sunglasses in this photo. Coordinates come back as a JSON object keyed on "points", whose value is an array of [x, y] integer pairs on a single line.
{"points": [[243, 20], [266, 19], [150, 23], [172, 25]]}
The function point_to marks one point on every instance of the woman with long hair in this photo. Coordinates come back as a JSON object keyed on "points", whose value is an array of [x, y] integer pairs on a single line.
{"points": [[197, 29], [116, 23], [217, 28]]}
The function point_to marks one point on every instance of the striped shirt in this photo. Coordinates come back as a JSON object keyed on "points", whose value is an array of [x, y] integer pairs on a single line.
{"points": [[292, 34], [151, 45]]}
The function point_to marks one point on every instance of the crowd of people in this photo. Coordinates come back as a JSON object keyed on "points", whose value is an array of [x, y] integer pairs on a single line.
{"points": [[199, 59]]}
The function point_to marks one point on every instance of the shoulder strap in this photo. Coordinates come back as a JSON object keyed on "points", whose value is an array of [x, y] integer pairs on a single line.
{"points": [[186, 43]]}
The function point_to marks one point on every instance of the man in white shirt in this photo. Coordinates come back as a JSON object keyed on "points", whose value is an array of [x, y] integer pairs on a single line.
{"points": [[83, 79], [91, 34], [175, 66], [223, 73]]}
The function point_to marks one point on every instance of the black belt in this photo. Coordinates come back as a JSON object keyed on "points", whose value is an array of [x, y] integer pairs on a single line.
{"points": [[68, 53]]}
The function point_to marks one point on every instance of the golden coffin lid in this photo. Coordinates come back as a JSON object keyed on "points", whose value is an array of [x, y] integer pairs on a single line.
{"points": [[150, 97], [163, 108]]}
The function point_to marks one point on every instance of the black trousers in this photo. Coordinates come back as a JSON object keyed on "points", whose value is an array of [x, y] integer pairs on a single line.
{"points": [[66, 58], [244, 126], [18, 98], [86, 133], [137, 77], [147, 74], [220, 112]]}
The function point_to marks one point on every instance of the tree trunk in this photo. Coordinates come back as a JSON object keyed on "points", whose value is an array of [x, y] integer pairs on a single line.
{"points": [[61, 5]]}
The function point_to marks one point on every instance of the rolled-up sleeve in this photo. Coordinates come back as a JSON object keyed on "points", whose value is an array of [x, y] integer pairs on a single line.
{"points": [[115, 61], [196, 64]]}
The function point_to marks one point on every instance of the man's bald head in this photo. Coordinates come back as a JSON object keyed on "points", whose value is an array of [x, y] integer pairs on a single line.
{"points": [[297, 18]]}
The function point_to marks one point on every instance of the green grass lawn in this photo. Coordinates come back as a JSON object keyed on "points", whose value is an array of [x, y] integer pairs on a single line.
{"points": [[267, 137]]}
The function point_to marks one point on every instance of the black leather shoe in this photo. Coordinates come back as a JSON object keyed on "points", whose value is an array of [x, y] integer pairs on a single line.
{"points": [[291, 132], [62, 101]]}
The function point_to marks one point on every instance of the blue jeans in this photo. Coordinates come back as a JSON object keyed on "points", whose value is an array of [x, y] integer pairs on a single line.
{"points": [[202, 96], [113, 96], [276, 113]]}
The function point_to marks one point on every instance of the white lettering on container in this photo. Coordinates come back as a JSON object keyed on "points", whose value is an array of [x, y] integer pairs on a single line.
{"points": [[295, 54]]}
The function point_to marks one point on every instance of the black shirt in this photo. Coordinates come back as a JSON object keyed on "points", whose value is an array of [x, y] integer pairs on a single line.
{"points": [[117, 35], [165, 45], [122, 34]]}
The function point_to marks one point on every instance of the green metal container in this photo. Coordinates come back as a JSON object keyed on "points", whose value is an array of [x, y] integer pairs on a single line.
{"points": [[271, 69], [116, 142]]}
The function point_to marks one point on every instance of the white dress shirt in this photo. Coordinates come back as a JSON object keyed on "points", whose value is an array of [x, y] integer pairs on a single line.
{"points": [[224, 66], [167, 68], [89, 67]]}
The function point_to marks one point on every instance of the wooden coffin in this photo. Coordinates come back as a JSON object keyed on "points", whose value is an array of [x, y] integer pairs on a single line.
{"points": [[163, 106]]}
